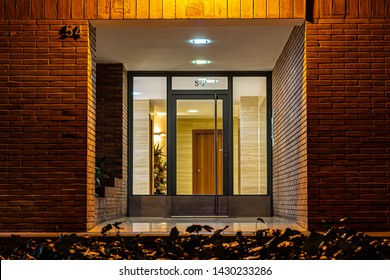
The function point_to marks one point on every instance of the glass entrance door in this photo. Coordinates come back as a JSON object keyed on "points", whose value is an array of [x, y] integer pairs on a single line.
{"points": [[199, 146]]}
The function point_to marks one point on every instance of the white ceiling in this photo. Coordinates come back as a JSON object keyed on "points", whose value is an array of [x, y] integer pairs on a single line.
{"points": [[156, 45], [163, 45]]}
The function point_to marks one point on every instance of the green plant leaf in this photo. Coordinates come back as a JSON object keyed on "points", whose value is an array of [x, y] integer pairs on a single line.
{"points": [[65, 242], [174, 234], [116, 225], [218, 231], [336, 243], [260, 220], [106, 228], [208, 228], [194, 228]]}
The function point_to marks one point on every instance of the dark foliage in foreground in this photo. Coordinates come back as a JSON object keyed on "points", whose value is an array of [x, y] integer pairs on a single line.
{"points": [[336, 243]]}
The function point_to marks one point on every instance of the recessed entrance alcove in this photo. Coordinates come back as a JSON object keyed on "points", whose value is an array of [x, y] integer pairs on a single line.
{"points": [[199, 135]]}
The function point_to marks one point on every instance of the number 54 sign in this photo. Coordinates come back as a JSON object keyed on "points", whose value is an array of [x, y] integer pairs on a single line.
{"points": [[70, 31]]}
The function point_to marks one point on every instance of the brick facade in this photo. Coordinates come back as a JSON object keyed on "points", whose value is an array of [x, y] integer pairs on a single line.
{"points": [[290, 147], [111, 131], [348, 123], [331, 101], [46, 127]]}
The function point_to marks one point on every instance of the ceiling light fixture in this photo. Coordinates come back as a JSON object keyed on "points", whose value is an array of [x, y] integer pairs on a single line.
{"points": [[201, 61], [200, 41], [192, 111]]}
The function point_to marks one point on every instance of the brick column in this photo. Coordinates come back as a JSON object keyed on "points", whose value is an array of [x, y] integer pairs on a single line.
{"points": [[111, 134], [46, 127]]}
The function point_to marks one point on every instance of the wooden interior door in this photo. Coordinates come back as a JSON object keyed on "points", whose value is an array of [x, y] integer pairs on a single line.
{"points": [[203, 162]]}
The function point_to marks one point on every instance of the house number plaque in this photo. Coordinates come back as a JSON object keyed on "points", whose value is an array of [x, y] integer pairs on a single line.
{"points": [[70, 31]]}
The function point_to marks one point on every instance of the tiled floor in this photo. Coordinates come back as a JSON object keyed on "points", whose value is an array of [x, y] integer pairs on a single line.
{"points": [[162, 226]]}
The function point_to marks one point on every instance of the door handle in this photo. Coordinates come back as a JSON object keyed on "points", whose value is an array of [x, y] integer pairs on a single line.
{"points": [[198, 170]]}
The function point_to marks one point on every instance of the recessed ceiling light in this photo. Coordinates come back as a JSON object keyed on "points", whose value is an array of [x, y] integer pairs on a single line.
{"points": [[200, 41], [137, 93], [201, 61], [192, 111]]}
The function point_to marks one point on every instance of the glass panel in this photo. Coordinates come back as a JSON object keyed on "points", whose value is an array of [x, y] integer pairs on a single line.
{"points": [[199, 83], [219, 144], [149, 135], [196, 147], [250, 135]]}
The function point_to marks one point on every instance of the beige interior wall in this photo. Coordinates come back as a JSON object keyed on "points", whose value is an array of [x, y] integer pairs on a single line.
{"points": [[253, 146], [249, 122], [236, 129], [141, 154], [263, 144]]}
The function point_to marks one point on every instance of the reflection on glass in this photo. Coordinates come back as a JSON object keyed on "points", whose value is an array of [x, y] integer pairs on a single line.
{"points": [[250, 135], [149, 136], [197, 170], [219, 145]]}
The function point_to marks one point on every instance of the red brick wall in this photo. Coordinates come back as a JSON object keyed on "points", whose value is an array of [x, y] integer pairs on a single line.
{"points": [[347, 99], [110, 92], [290, 150], [348, 115], [45, 127], [47, 122], [111, 134]]}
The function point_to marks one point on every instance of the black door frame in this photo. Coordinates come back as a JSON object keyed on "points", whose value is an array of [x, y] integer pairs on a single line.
{"points": [[226, 96]]}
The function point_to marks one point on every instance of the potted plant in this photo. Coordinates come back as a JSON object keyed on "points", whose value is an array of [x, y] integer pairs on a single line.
{"points": [[99, 176], [104, 185], [160, 170]]}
